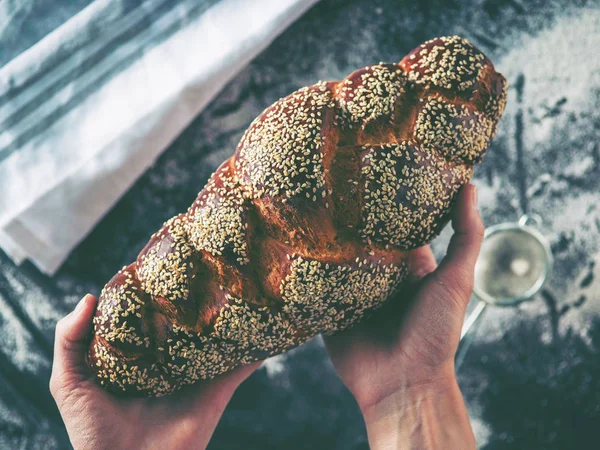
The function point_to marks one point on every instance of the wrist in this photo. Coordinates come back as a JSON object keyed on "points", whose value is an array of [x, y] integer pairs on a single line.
{"points": [[426, 415]]}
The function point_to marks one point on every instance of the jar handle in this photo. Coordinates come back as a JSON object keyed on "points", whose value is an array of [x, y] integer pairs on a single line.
{"points": [[530, 220], [466, 338]]}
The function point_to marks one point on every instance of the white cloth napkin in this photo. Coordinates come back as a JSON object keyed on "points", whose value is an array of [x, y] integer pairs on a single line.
{"points": [[69, 150]]}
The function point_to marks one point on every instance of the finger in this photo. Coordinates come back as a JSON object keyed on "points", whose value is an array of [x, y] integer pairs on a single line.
{"points": [[456, 271], [421, 262], [72, 339]]}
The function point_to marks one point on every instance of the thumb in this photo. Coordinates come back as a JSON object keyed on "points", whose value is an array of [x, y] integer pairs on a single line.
{"points": [[70, 345], [456, 271]]}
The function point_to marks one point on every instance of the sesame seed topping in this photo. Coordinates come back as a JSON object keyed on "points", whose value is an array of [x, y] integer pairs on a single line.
{"points": [[163, 268], [407, 194], [447, 62], [218, 223], [324, 297], [280, 154], [371, 93], [459, 133]]}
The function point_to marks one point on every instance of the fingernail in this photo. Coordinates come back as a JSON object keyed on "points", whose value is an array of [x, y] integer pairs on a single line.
{"points": [[81, 303], [474, 195]]}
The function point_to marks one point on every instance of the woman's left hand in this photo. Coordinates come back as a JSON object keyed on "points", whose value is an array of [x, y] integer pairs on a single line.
{"points": [[95, 419]]}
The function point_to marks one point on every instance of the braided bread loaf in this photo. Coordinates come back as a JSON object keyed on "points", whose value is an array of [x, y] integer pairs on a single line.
{"points": [[307, 227]]}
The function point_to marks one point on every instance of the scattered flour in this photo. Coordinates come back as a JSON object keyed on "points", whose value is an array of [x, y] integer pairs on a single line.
{"points": [[481, 430], [16, 341], [275, 365], [561, 69]]}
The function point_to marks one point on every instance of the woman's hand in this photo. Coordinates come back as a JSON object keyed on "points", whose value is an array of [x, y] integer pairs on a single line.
{"points": [[399, 364], [97, 420]]}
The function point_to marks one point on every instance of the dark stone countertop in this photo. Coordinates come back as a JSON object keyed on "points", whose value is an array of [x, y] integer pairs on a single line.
{"points": [[532, 376]]}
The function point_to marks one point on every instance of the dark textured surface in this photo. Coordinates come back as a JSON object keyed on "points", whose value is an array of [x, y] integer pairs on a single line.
{"points": [[531, 378]]}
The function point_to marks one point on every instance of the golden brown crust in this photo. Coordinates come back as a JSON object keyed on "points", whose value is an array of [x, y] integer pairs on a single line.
{"points": [[307, 227]]}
